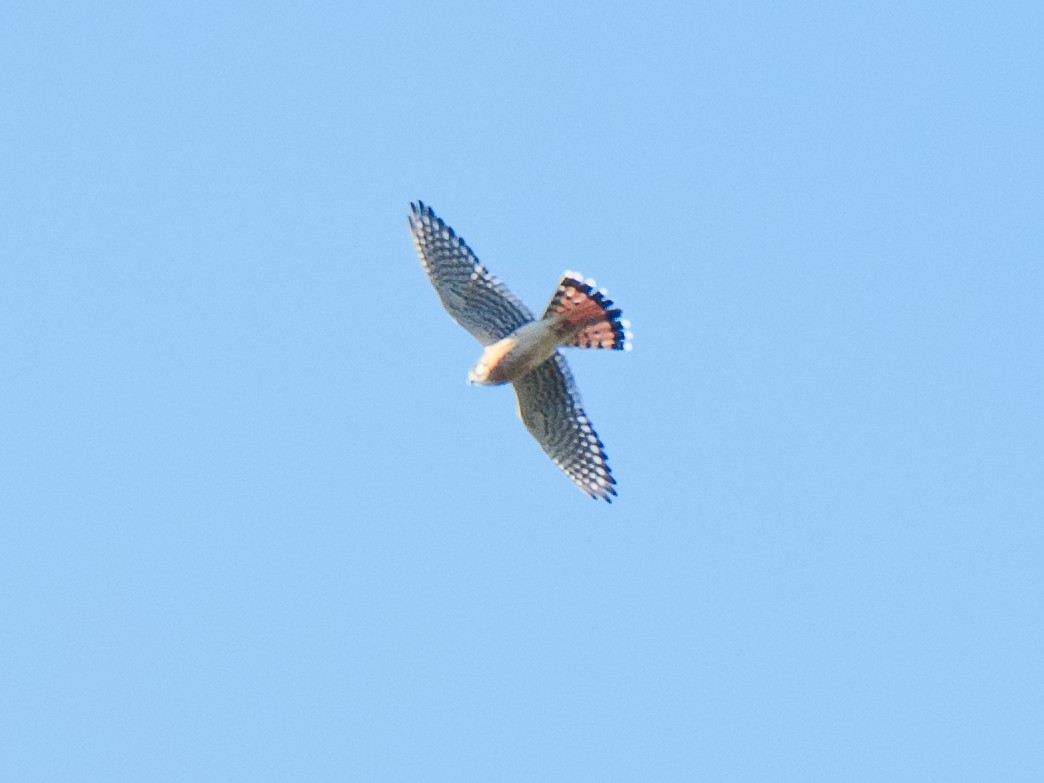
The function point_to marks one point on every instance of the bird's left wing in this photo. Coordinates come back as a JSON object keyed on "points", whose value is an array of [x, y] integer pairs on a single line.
{"points": [[476, 299]]}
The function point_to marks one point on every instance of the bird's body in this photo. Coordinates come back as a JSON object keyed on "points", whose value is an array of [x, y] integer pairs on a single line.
{"points": [[520, 352], [524, 350]]}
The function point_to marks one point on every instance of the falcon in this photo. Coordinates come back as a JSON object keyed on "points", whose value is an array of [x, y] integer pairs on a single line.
{"points": [[523, 350]]}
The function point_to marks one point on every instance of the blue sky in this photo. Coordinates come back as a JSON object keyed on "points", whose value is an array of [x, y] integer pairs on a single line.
{"points": [[256, 526]]}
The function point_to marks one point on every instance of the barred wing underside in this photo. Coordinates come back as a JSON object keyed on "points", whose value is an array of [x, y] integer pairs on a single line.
{"points": [[473, 296], [549, 405]]}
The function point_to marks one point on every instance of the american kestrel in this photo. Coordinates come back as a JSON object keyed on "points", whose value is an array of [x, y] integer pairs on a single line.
{"points": [[522, 350]]}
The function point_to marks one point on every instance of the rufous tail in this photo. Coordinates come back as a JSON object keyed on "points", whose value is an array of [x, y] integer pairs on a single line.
{"points": [[585, 316]]}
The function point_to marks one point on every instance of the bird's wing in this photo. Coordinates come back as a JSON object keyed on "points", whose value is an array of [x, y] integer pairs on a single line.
{"points": [[476, 299], [549, 405]]}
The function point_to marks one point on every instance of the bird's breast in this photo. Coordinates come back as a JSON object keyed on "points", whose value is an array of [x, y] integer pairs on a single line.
{"points": [[518, 353]]}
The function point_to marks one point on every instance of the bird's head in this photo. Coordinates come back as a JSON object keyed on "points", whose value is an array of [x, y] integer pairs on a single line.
{"points": [[479, 374]]}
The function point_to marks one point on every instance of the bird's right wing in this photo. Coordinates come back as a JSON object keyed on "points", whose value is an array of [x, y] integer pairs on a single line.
{"points": [[476, 299], [549, 405]]}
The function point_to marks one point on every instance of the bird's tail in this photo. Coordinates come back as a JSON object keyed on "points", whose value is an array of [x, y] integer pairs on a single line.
{"points": [[585, 316]]}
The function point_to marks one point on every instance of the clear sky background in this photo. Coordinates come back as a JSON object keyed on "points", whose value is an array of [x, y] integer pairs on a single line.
{"points": [[256, 527]]}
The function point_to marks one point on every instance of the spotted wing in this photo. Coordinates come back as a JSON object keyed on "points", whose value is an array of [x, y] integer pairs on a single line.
{"points": [[476, 299], [549, 405]]}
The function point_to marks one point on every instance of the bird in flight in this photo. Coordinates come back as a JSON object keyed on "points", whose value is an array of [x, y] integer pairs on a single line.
{"points": [[523, 350]]}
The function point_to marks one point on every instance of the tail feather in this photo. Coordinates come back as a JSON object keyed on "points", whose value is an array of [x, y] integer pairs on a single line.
{"points": [[586, 317]]}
